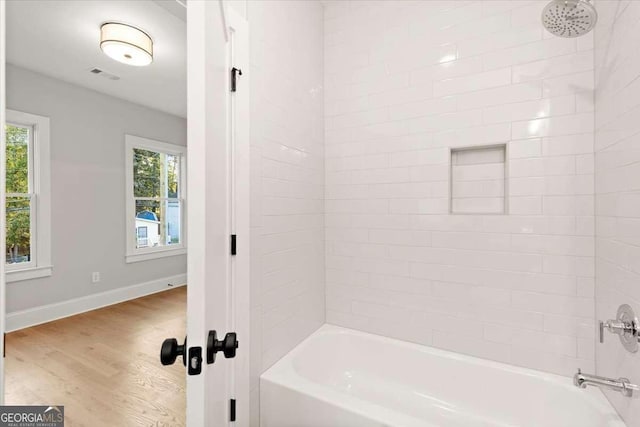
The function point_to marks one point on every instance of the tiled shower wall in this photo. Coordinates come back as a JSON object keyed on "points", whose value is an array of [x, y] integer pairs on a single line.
{"points": [[618, 186], [405, 82], [287, 179]]}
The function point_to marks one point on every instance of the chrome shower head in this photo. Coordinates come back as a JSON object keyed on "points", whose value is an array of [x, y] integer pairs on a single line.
{"points": [[569, 18]]}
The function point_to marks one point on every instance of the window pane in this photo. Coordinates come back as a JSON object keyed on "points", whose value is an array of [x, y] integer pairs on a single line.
{"points": [[143, 236], [155, 174], [173, 174], [173, 222], [157, 223], [146, 173], [18, 230], [17, 159]]}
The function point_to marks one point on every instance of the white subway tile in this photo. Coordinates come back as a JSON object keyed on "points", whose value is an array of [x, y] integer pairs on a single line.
{"points": [[542, 49], [525, 148], [475, 136], [501, 95], [446, 70], [457, 120], [422, 157], [568, 84], [528, 186], [400, 237], [585, 164], [485, 80], [525, 205], [406, 83], [423, 108], [555, 126], [553, 304], [471, 240], [530, 110], [471, 294], [568, 144], [553, 67], [497, 41]]}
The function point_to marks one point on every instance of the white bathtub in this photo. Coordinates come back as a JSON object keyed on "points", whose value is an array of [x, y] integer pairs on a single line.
{"points": [[344, 378]]}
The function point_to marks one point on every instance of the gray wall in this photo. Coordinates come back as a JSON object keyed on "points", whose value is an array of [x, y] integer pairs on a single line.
{"points": [[87, 185], [617, 167]]}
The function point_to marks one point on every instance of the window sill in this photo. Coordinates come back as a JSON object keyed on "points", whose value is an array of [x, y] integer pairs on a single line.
{"points": [[162, 253], [29, 273]]}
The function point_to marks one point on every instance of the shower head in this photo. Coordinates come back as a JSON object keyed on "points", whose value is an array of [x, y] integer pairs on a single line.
{"points": [[569, 18]]}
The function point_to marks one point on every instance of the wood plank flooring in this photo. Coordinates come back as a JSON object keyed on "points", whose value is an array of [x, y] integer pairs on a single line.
{"points": [[104, 365]]}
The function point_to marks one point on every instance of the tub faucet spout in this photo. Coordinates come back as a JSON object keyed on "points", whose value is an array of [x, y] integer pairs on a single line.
{"points": [[623, 385]]}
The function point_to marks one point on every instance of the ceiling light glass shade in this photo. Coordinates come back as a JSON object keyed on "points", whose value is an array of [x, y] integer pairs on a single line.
{"points": [[126, 44]]}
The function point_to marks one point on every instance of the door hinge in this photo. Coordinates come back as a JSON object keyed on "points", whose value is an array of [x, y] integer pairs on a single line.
{"points": [[4, 344], [233, 244], [235, 72], [232, 410]]}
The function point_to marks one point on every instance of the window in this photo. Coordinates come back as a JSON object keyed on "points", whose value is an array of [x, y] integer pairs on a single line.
{"points": [[143, 234], [478, 180], [155, 199], [28, 198]]}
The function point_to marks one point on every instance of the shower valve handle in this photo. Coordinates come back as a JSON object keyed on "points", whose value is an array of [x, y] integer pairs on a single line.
{"points": [[626, 326], [615, 327]]}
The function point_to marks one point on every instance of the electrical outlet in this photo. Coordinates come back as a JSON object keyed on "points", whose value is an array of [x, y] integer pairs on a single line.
{"points": [[95, 277]]}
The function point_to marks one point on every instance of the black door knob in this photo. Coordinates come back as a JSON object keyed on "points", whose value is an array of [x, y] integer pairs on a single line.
{"points": [[171, 350], [228, 346]]}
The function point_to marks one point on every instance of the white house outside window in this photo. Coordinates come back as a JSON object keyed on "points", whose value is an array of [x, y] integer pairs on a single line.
{"points": [[155, 199], [28, 196]]}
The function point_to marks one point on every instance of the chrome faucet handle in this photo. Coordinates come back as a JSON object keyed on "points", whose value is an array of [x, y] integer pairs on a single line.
{"points": [[626, 326], [615, 327]]}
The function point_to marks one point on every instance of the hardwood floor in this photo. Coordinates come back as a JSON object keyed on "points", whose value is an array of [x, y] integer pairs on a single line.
{"points": [[104, 365]]}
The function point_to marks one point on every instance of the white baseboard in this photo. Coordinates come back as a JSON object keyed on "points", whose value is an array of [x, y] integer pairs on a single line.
{"points": [[46, 313]]}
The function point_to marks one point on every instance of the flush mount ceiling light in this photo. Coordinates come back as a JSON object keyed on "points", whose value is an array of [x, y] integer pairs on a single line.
{"points": [[126, 44]]}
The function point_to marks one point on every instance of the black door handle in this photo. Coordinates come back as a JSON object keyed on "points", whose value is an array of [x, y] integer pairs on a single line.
{"points": [[170, 351], [228, 346]]}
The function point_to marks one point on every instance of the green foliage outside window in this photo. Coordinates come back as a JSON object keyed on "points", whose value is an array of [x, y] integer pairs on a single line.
{"points": [[18, 207], [148, 182], [155, 177]]}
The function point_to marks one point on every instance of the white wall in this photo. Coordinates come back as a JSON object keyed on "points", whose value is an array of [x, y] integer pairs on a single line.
{"points": [[287, 182], [618, 186], [404, 83], [87, 185]]}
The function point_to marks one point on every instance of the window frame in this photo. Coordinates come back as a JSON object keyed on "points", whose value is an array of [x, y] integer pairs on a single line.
{"points": [[39, 175], [133, 253]]}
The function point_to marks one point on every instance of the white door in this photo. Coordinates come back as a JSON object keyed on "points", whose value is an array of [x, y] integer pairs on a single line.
{"points": [[218, 171], [238, 120], [3, 107]]}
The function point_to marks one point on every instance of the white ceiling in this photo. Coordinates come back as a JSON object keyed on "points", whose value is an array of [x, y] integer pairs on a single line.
{"points": [[60, 38]]}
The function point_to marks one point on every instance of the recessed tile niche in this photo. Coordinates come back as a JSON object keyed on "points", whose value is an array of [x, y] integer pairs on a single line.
{"points": [[478, 180]]}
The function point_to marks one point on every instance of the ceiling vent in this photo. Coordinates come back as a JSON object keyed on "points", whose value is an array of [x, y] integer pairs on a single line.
{"points": [[102, 73]]}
